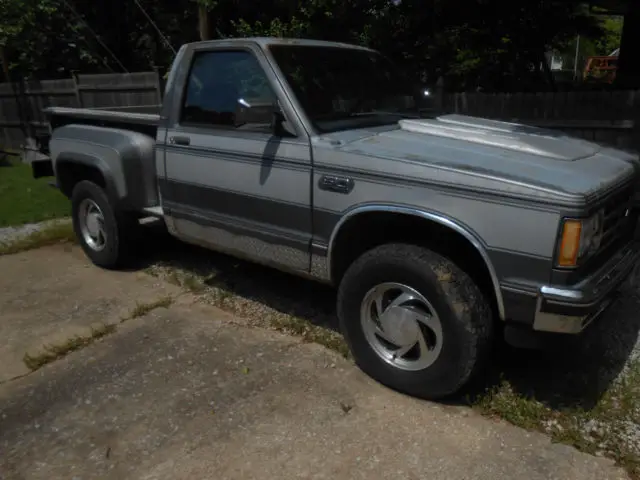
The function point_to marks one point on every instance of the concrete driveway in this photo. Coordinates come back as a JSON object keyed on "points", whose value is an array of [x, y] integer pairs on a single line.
{"points": [[191, 392]]}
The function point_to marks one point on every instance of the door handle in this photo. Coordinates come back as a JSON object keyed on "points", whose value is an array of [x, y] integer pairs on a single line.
{"points": [[179, 140], [332, 183]]}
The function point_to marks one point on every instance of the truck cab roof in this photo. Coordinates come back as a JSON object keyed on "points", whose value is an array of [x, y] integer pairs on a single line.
{"points": [[267, 41]]}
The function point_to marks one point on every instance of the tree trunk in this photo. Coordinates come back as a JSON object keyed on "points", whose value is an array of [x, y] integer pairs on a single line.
{"points": [[5, 64], [546, 70], [203, 22]]}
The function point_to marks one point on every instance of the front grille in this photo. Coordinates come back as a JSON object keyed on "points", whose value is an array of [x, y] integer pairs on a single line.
{"points": [[619, 221]]}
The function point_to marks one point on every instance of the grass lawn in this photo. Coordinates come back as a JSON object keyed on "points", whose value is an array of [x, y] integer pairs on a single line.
{"points": [[24, 199]]}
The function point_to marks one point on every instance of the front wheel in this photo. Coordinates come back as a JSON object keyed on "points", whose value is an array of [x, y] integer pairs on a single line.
{"points": [[105, 234], [414, 321]]}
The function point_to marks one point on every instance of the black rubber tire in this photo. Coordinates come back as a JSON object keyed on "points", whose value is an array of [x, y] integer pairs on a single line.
{"points": [[465, 314], [120, 228]]}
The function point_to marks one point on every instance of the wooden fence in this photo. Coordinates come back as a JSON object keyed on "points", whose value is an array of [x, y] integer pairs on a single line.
{"points": [[605, 116], [22, 104], [611, 117]]}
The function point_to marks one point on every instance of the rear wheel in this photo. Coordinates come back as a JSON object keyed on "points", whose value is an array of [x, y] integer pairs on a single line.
{"points": [[414, 321], [105, 234]]}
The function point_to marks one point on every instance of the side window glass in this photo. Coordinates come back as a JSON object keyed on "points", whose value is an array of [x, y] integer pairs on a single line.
{"points": [[228, 89]]}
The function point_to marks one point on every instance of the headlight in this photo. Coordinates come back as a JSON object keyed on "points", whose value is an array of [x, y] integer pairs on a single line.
{"points": [[579, 239]]}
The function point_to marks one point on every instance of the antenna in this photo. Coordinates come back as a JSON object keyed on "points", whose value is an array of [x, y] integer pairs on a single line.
{"points": [[156, 27]]}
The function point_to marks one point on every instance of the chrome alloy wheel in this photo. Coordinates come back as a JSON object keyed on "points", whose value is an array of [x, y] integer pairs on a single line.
{"points": [[92, 225], [401, 326]]}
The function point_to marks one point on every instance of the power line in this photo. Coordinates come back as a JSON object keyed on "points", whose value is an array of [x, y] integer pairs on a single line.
{"points": [[156, 27], [95, 35]]}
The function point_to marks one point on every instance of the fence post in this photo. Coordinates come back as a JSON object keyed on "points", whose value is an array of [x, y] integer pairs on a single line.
{"points": [[24, 106], [159, 83], [76, 85], [439, 96], [635, 132]]}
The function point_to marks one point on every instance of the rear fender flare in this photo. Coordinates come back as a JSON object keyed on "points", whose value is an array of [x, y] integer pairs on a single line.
{"points": [[113, 191]]}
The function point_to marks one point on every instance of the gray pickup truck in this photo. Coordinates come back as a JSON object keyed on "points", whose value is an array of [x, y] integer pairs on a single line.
{"points": [[319, 159]]}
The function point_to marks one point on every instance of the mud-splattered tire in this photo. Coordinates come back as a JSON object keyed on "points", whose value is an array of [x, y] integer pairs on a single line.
{"points": [[407, 301], [105, 234]]}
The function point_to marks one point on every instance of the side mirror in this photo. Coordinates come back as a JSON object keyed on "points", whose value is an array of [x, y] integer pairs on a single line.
{"points": [[253, 111], [279, 124], [267, 114]]}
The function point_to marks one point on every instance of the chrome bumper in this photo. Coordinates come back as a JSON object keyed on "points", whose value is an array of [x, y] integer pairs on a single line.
{"points": [[572, 309]]}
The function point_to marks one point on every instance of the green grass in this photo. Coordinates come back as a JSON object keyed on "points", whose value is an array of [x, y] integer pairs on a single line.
{"points": [[141, 309], [601, 430], [24, 199], [54, 352]]}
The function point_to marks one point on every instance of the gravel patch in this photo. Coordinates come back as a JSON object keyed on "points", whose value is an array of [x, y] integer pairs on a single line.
{"points": [[11, 234]]}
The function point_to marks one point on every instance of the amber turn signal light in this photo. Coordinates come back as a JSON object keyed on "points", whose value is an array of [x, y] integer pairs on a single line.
{"points": [[570, 243]]}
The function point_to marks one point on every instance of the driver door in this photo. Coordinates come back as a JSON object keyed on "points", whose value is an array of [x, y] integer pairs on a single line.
{"points": [[230, 183]]}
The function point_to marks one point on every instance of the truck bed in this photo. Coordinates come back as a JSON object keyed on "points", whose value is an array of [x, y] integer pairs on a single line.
{"points": [[143, 119]]}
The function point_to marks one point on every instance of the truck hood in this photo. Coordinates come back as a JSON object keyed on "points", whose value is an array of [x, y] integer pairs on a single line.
{"points": [[493, 155], [507, 136]]}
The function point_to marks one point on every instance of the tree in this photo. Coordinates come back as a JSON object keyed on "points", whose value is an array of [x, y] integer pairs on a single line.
{"points": [[472, 44], [204, 7], [16, 18], [611, 37]]}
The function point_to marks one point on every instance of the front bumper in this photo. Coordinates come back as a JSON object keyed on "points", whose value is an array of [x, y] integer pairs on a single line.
{"points": [[572, 309]]}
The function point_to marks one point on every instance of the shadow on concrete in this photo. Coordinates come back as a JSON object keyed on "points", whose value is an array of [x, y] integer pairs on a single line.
{"points": [[576, 371], [285, 293], [572, 371]]}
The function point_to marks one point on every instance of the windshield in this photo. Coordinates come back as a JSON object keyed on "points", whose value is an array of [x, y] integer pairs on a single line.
{"points": [[342, 88]]}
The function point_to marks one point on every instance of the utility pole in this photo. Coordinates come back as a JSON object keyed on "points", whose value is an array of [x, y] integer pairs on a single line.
{"points": [[203, 21], [628, 74]]}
